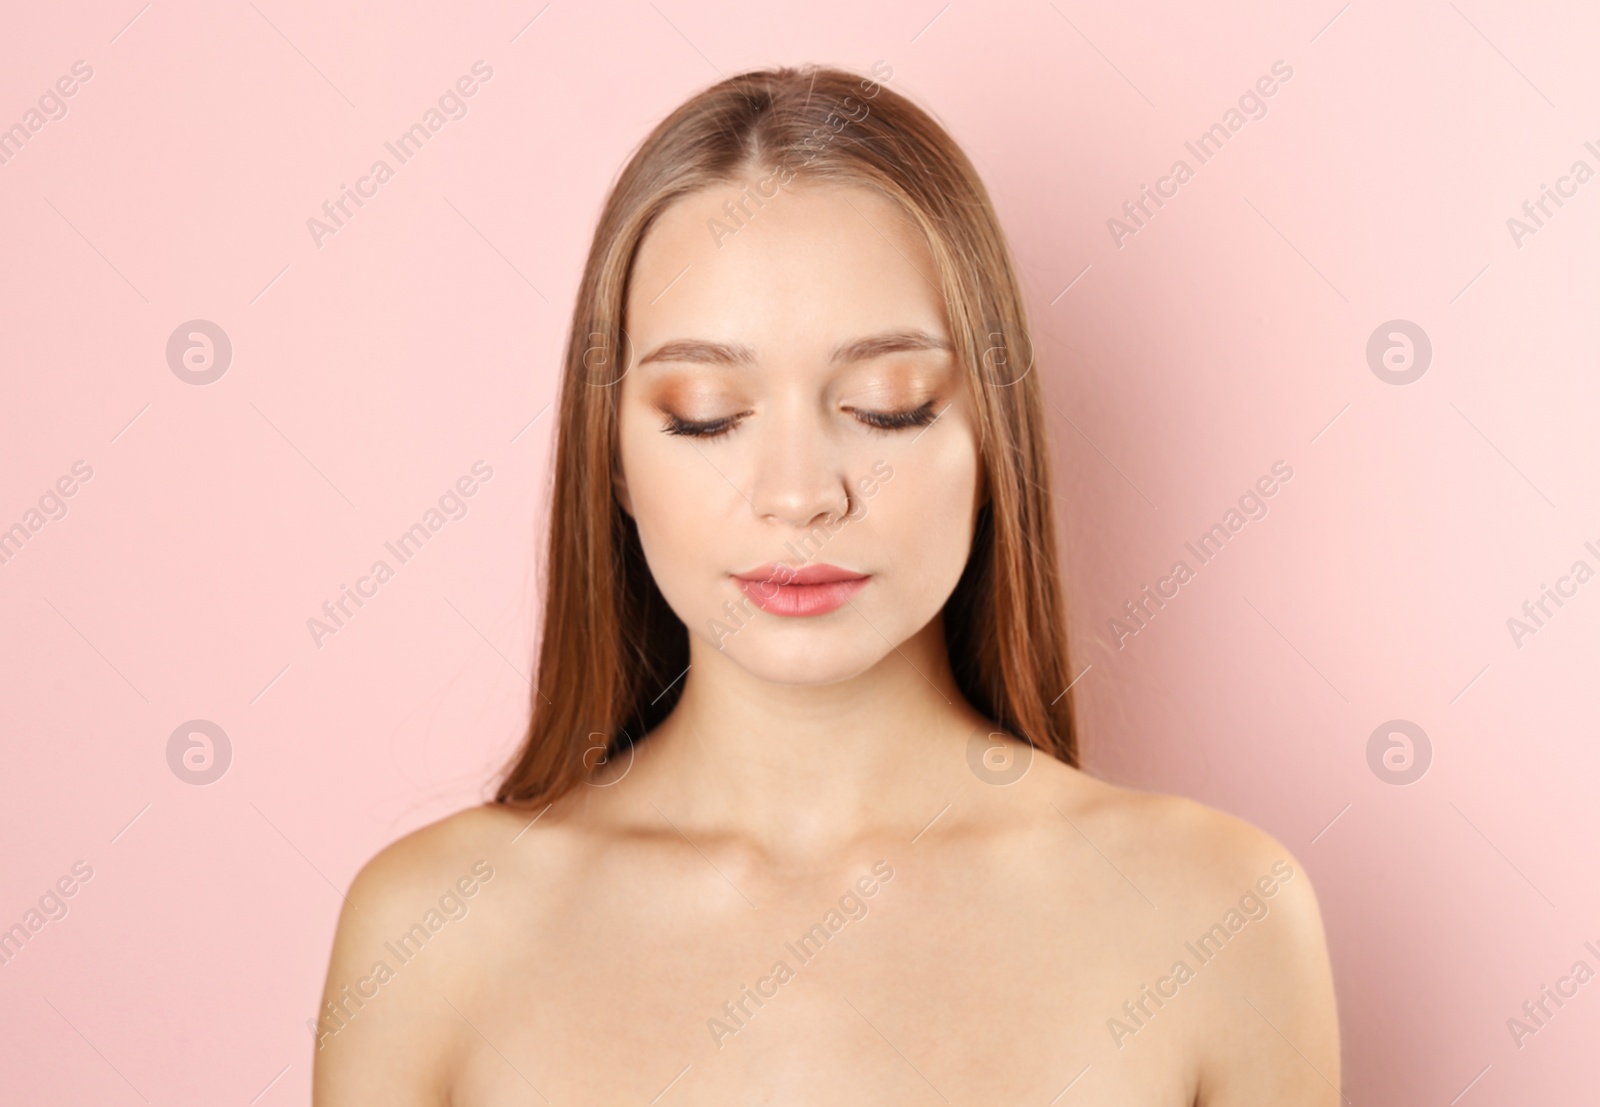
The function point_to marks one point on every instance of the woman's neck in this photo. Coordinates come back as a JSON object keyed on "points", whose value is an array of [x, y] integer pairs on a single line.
{"points": [[807, 769]]}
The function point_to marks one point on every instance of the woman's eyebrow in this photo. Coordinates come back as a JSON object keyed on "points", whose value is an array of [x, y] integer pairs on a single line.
{"points": [[698, 350], [862, 349], [890, 342]]}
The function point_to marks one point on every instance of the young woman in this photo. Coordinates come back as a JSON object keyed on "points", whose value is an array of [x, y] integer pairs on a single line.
{"points": [[798, 817]]}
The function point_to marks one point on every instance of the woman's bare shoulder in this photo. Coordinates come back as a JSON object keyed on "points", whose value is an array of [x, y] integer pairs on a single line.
{"points": [[426, 872], [1236, 909], [1190, 850], [415, 861], [402, 951]]}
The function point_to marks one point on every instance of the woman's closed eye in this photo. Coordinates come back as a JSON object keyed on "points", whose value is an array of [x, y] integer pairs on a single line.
{"points": [[883, 421], [692, 428], [897, 420]]}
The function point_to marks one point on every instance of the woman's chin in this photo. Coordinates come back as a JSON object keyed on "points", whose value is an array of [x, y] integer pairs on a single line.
{"points": [[812, 662]]}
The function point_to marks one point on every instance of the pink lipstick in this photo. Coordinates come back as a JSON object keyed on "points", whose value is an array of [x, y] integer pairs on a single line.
{"points": [[814, 590]]}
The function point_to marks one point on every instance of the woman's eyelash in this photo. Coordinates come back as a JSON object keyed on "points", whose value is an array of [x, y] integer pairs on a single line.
{"points": [[898, 420], [877, 420], [711, 428]]}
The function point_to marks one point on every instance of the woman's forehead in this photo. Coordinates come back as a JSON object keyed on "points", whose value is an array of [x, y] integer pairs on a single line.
{"points": [[815, 266], [846, 234]]}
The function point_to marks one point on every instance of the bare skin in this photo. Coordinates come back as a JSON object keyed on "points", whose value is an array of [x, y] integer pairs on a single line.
{"points": [[822, 880]]}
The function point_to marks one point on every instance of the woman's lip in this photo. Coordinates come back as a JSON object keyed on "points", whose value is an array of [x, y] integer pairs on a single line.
{"points": [[779, 573], [801, 599]]}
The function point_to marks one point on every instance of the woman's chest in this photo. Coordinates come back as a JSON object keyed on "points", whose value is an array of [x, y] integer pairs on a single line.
{"points": [[916, 993]]}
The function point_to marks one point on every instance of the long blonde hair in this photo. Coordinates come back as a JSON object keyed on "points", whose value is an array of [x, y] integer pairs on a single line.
{"points": [[609, 644]]}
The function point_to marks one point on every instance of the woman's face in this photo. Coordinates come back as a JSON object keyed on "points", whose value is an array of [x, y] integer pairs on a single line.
{"points": [[797, 442]]}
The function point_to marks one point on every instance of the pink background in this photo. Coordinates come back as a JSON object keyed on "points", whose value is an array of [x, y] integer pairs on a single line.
{"points": [[371, 372]]}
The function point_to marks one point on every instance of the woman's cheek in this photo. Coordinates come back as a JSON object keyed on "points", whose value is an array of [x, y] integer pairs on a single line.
{"points": [[929, 513], [678, 536], [676, 565]]}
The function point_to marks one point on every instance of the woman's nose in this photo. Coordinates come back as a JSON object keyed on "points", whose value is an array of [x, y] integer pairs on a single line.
{"points": [[800, 475]]}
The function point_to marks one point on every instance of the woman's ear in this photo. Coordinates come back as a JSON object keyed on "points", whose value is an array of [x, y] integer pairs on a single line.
{"points": [[619, 475], [619, 485]]}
